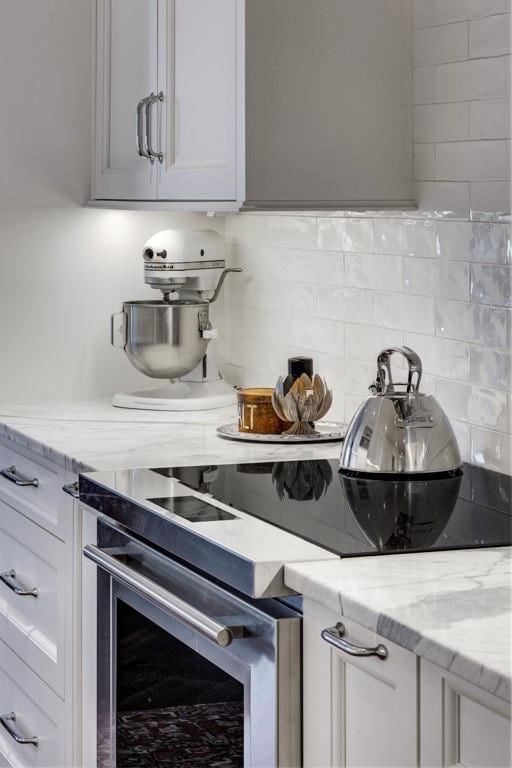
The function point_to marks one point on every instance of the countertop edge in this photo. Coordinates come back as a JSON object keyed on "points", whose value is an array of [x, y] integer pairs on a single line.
{"points": [[403, 634]]}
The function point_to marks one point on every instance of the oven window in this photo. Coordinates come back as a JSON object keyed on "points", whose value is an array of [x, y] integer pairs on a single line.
{"points": [[174, 708]]}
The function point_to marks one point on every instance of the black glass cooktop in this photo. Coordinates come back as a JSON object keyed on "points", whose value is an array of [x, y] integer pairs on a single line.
{"points": [[352, 516]]}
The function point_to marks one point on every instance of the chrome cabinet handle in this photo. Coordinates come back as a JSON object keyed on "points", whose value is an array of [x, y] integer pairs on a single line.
{"points": [[164, 599], [72, 489], [10, 580], [335, 636], [11, 474], [141, 149], [152, 99], [6, 721]]}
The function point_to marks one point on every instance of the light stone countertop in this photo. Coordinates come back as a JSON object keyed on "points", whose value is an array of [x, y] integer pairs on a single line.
{"points": [[452, 608], [88, 435]]}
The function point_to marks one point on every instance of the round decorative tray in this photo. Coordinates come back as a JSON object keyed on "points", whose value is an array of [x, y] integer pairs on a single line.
{"points": [[330, 432]]}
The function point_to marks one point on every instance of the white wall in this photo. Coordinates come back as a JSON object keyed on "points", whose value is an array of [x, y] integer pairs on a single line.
{"points": [[63, 268]]}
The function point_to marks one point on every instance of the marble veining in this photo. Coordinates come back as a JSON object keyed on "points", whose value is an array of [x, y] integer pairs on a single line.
{"points": [[83, 436], [452, 608]]}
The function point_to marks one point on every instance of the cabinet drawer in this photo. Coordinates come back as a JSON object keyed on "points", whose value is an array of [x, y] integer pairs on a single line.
{"points": [[39, 712], [34, 626], [45, 504]]}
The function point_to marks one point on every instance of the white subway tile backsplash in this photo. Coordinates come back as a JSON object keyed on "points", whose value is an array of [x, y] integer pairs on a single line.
{"points": [[378, 271], [437, 45], [481, 8], [471, 241], [491, 284], [489, 119], [490, 196], [462, 161], [357, 376], [424, 162], [463, 435], [312, 267], [316, 333], [491, 368], [441, 357], [489, 408], [448, 11], [476, 405], [398, 310], [434, 277], [274, 231], [475, 79], [364, 342], [345, 234], [444, 196], [491, 449], [489, 36], [423, 13], [345, 304], [427, 13], [475, 323], [442, 122], [404, 237]]}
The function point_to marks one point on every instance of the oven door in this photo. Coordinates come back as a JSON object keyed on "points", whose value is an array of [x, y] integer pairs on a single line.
{"points": [[189, 674]]}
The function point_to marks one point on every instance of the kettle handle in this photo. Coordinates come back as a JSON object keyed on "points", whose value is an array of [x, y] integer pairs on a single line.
{"points": [[384, 377]]}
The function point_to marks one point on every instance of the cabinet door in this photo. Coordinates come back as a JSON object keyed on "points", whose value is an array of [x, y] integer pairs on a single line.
{"points": [[461, 724], [358, 711], [198, 117], [126, 73]]}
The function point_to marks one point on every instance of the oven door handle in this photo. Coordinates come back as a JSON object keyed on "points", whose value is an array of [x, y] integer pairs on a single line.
{"points": [[179, 609]]}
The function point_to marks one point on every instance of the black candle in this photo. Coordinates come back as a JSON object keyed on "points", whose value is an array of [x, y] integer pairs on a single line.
{"points": [[299, 365]]}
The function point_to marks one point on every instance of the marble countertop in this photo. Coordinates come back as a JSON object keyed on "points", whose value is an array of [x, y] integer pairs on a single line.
{"points": [[452, 608], [83, 436]]}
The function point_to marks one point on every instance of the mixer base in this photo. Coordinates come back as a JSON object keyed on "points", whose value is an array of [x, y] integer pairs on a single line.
{"points": [[180, 396]]}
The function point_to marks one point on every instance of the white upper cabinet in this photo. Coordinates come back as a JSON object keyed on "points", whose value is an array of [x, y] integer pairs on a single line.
{"points": [[197, 76], [262, 103], [126, 72]]}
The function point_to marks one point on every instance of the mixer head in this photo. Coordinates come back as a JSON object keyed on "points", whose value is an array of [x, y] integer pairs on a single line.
{"points": [[190, 260]]}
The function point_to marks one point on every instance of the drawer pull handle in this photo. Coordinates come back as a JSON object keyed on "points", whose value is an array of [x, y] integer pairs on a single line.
{"points": [[9, 579], [335, 636], [6, 721], [72, 490], [11, 474]]}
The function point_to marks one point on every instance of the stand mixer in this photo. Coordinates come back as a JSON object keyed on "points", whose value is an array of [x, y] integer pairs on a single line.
{"points": [[169, 338]]}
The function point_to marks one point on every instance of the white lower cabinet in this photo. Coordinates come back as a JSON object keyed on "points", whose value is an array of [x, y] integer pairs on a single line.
{"points": [[40, 612], [33, 711], [461, 724], [358, 711], [397, 712]]}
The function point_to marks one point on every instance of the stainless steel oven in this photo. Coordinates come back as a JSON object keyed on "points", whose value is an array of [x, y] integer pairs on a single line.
{"points": [[189, 673]]}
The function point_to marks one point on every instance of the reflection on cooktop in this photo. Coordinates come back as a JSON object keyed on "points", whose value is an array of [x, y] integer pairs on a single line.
{"points": [[354, 516], [192, 509]]}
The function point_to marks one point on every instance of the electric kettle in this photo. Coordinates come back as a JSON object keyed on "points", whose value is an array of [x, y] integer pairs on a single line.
{"points": [[398, 430]]}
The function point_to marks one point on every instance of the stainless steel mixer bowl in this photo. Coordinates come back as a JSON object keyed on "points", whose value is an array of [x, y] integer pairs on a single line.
{"points": [[164, 340]]}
